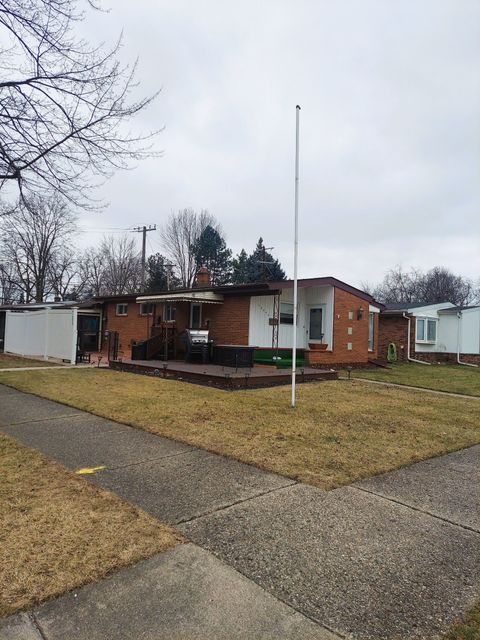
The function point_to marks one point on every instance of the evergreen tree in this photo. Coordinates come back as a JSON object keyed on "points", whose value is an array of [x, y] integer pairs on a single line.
{"points": [[160, 276], [211, 251], [262, 267], [240, 268]]}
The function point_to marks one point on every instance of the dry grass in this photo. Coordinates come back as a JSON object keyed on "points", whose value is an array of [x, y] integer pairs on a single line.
{"points": [[468, 628], [58, 532], [8, 361], [452, 378], [340, 432]]}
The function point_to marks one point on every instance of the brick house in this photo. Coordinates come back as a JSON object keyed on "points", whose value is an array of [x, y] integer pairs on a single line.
{"points": [[337, 323], [438, 332]]}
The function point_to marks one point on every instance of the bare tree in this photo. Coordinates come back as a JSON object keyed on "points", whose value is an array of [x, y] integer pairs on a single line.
{"points": [[180, 235], [90, 274], [63, 275], [32, 236], [10, 292], [399, 286], [476, 292], [62, 104], [122, 265], [440, 284], [113, 268], [436, 285]]}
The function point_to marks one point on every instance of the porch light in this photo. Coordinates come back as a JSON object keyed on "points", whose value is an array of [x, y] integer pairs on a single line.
{"points": [[360, 313]]}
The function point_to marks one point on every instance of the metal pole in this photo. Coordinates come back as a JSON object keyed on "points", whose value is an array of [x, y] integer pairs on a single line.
{"points": [[295, 261]]}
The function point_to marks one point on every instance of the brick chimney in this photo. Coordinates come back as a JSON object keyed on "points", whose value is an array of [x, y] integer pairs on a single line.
{"points": [[203, 277]]}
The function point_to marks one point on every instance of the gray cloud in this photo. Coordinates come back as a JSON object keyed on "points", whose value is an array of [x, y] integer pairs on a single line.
{"points": [[390, 135]]}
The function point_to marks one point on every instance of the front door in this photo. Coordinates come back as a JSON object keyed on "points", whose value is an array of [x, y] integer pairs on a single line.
{"points": [[315, 325], [88, 327]]}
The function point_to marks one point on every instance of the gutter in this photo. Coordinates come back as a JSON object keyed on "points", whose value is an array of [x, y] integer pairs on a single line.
{"points": [[459, 336], [408, 318]]}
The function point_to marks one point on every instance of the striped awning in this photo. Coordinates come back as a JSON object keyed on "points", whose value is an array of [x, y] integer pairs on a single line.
{"points": [[206, 297]]}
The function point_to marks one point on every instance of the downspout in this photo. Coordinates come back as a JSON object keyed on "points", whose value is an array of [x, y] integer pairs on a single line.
{"points": [[408, 318], [459, 339]]}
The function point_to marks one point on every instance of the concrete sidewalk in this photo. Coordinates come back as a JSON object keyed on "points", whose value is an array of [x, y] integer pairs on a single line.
{"points": [[182, 594], [394, 556]]}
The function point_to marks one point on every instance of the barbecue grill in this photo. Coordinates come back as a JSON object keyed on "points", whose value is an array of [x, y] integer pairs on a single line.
{"points": [[197, 344]]}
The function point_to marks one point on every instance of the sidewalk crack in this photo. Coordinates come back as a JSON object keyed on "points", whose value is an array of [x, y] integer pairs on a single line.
{"points": [[410, 506], [66, 415], [36, 624], [291, 483], [134, 464]]}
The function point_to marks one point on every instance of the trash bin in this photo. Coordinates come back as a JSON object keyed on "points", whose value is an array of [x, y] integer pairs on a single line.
{"points": [[139, 350]]}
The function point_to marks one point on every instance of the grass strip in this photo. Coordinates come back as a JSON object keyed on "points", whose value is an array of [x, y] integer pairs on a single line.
{"points": [[58, 532]]}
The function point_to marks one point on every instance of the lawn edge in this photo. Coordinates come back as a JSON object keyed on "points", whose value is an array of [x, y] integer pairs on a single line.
{"points": [[251, 464], [411, 387], [180, 538]]}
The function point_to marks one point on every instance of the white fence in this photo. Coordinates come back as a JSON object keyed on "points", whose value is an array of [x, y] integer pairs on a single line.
{"points": [[48, 333]]}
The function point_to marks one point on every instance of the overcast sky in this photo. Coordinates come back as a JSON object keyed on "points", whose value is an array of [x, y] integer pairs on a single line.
{"points": [[390, 133]]}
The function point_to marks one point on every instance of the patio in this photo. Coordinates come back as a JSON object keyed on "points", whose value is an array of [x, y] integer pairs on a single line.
{"points": [[220, 376]]}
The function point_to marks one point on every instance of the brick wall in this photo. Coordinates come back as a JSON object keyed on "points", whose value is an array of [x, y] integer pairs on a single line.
{"points": [[393, 328], [228, 322], [446, 358], [131, 327], [344, 303]]}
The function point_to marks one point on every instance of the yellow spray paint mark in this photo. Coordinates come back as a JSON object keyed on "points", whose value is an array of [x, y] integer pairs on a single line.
{"points": [[89, 470]]}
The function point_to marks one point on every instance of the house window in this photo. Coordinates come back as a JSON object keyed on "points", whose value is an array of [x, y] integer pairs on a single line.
{"points": [[122, 309], [286, 313], [426, 330], [146, 309], [170, 312], [371, 331], [431, 330], [195, 315]]}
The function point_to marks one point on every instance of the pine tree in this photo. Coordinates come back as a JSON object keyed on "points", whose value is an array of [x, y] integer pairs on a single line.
{"points": [[262, 267], [211, 251], [159, 274], [240, 268]]}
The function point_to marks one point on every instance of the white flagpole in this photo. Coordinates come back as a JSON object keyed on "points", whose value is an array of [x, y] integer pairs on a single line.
{"points": [[295, 261]]}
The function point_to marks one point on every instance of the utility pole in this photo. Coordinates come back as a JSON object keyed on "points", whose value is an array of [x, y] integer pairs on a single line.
{"points": [[143, 230]]}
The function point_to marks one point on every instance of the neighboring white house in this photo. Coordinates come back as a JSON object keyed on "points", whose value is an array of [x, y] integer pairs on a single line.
{"points": [[440, 331], [459, 326]]}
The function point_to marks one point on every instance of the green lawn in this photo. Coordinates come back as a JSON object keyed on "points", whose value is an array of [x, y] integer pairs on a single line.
{"points": [[340, 431], [453, 378], [7, 361]]}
